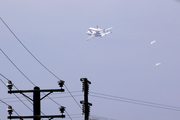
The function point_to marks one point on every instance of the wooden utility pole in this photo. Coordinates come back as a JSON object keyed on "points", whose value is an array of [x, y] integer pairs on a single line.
{"points": [[36, 102]]}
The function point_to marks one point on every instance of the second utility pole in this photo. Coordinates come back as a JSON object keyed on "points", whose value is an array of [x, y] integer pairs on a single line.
{"points": [[85, 104]]}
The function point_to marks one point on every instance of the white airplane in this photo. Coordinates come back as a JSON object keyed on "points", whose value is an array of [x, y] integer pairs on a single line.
{"points": [[97, 32], [152, 42]]}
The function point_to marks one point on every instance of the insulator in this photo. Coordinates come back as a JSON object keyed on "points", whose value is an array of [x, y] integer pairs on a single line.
{"points": [[10, 110], [9, 85], [61, 83], [62, 109], [83, 108]]}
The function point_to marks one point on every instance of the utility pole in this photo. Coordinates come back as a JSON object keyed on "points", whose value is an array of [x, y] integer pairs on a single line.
{"points": [[85, 104], [36, 102]]}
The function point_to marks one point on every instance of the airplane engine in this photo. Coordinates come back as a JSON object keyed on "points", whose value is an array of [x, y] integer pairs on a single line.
{"points": [[103, 35], [89, 32], [108, 32]]}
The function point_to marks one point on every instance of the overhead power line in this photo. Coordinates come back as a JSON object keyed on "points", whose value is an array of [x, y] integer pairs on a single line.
{"points": [[28, 99], [4, 102], [20, 99], [95, 117], [133, 101], [55, 94], [16, 67], [10, 100], [13, 85], [9, 105], [37, 59]]}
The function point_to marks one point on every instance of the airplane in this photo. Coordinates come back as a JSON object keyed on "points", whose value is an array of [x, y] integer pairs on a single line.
{"points": [[97, 32]]}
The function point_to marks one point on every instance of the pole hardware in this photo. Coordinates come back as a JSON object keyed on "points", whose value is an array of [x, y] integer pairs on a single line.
{"points": [[36, 102]]}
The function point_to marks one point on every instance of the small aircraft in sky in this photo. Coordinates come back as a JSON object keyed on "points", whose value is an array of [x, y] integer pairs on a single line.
{"points": [[157, 64], [152, 42], [97, 32]]}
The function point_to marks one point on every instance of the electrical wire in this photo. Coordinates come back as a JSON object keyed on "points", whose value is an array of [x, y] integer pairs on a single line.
{"points": [[127, 100], [37, 59], [100, 117], [46, 98], [5, 103], [24, 74], [14, 86], [9, 105], [16, 67], [30, 109], [135, 100], [19, 98]]}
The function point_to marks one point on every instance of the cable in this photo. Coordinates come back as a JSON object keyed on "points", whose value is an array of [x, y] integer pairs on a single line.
{"points": [[5, 103], [46, 98], [30, 109], [60, 105], [24, 103], [141, 103], [16, 67], [36, 58], [101, 117], [4, 77], [19, 98], [9, 105], [72, 96], [136, 100], [13, 85], [31, 82]]}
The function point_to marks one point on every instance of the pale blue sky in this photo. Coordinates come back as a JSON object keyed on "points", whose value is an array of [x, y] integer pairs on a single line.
{"points": [[120, 64]]}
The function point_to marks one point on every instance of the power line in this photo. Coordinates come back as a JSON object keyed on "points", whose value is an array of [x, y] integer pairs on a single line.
{"points": [[4, 77], [32, 110], [4, 102], [51, 95], [19, 98], [100, 117], [36, 58], [46, 98], [16, 67], [13, 85], [23, 73], [136, 102], [28, 100], [9, 105], [72, 96]]}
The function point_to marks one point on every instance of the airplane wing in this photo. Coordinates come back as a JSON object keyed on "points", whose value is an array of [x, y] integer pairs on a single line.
{"points": [[108, 29], [108, 32], [90, 37]]}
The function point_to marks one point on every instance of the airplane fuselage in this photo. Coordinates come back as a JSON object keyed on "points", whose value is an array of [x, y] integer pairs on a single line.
{"points": [[97, 32]]}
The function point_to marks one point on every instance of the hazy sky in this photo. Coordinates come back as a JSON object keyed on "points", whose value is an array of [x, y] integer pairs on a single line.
{"points": [[121, 64]]}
